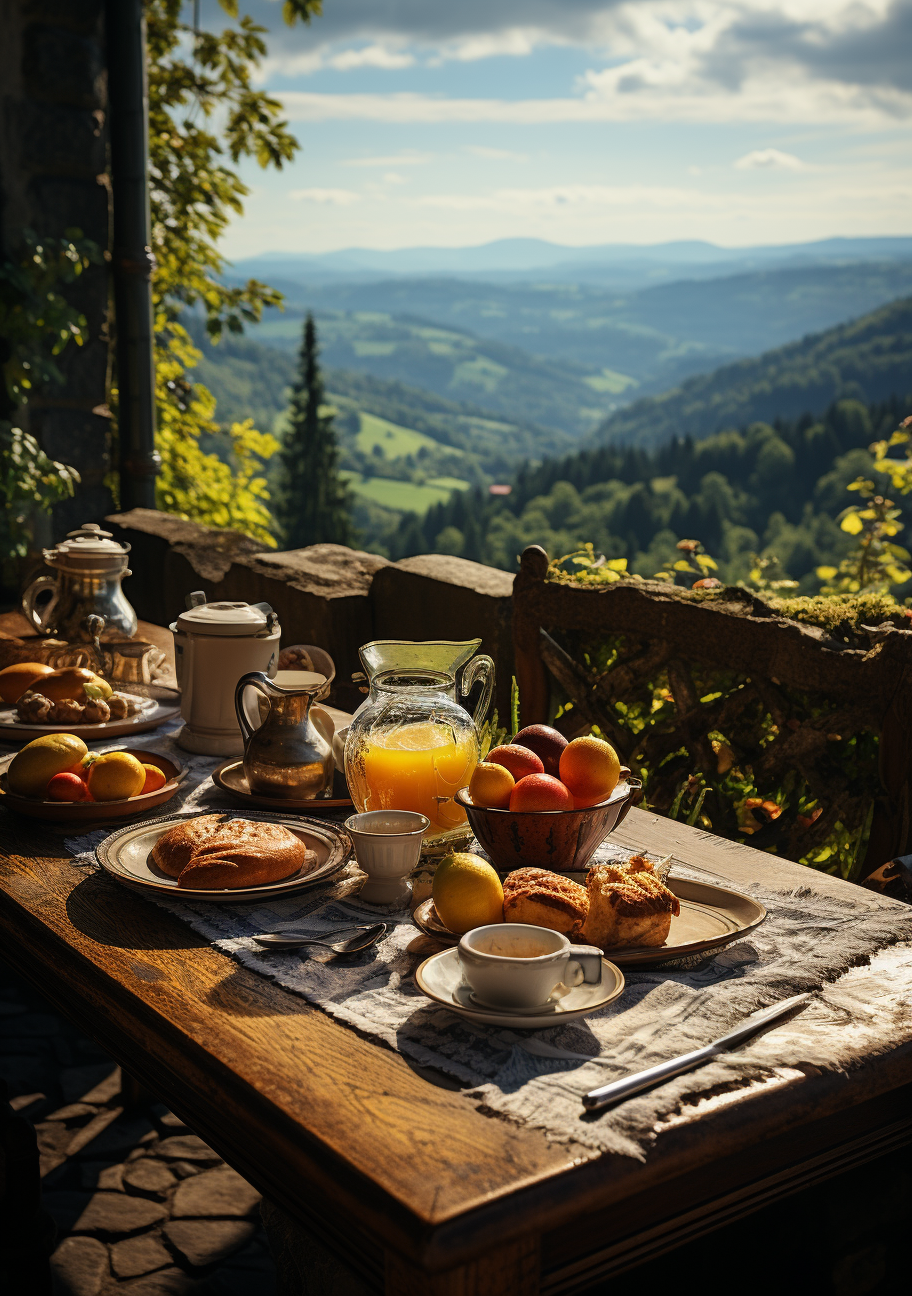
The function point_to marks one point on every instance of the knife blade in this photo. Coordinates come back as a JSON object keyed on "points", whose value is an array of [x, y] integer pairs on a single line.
{"points": [[618, 1090]]}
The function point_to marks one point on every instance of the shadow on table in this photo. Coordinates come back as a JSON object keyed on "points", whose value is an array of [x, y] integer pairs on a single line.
{"points": [[113, 915], [244, 993]]}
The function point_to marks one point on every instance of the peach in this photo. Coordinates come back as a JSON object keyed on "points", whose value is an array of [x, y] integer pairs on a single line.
{"points": [[491, 785], [590, 769], [547, 744], [66, 787], [540, 792], [520, 761]]}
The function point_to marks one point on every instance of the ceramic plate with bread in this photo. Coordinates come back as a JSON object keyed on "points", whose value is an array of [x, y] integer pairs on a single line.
{"points": [[225, 856], [636, 918]]}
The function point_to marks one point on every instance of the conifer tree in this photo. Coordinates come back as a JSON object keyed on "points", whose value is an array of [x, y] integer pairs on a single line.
{"points": [[315, 502]]}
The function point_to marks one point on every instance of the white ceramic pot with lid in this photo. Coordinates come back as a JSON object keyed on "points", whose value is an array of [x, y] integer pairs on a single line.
{"points": [[89, 566], [214, 645]]}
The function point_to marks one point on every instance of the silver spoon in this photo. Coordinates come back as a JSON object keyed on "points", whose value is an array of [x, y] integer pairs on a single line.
{"points": [[362, 938]]}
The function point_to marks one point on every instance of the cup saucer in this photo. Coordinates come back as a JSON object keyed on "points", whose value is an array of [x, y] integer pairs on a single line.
{"points": [[440, 978]]}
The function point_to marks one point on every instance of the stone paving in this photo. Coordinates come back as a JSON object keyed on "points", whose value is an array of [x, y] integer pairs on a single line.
{"points": [[142, 1205]]}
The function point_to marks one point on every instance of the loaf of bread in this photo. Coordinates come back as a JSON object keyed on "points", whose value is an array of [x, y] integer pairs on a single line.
{"points": [[628, 906], [545, 899], [219, 852]]}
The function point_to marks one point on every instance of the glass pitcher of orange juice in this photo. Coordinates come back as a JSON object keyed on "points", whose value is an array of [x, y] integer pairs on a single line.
{"points": [[412, 746]]}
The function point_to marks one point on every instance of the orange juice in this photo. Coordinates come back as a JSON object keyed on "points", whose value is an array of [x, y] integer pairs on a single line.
{"points": [[418, 767]]}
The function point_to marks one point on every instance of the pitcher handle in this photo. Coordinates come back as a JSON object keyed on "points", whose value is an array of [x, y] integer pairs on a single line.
{"points": [[253, 679], [481, 667], [29, 598]]}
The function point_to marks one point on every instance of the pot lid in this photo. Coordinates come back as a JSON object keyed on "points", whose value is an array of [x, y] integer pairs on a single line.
{"points": [[223, 619], [91, 543]]}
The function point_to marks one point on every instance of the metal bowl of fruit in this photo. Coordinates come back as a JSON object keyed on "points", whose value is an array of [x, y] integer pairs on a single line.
{"points": [[539, 801], [57, 779]]}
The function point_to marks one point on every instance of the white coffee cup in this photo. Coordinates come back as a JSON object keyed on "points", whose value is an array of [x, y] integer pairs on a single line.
{"points": [[387, 847], [516, 965]]}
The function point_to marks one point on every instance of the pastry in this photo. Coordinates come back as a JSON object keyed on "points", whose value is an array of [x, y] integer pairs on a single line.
{"points": [[545, 899], [216, 852], [628, 905]]}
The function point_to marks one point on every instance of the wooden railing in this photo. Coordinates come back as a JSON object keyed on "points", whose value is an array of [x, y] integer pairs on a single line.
{"points": [[696, 693]]}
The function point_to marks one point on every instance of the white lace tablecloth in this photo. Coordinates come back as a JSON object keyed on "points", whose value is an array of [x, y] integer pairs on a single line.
{"points": [[857, 954]]}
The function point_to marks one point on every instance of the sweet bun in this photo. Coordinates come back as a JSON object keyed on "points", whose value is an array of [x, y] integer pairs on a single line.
{"points": [[545, 899], [218, 852], [628, 905]]}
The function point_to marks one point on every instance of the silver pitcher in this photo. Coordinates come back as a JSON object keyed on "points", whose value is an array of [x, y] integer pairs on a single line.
{"points": [[88, 569], [287, 755]]}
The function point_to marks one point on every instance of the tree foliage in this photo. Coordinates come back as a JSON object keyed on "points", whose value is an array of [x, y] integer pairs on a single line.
{"points": [[315, 504], [36, 323], [204, 117], [764, 499]]}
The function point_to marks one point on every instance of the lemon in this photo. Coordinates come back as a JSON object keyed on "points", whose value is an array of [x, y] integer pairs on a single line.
{"points": [[35, 765], [467, 892], [116, 776]]}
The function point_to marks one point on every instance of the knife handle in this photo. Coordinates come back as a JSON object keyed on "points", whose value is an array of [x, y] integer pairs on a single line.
{"points": [[629, 1085]]}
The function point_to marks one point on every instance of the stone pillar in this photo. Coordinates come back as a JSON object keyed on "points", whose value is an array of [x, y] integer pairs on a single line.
{"points": [[52, 178]]}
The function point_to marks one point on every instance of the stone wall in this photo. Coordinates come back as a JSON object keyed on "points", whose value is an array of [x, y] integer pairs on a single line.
{"points": [[328, 595], [52, 177]]}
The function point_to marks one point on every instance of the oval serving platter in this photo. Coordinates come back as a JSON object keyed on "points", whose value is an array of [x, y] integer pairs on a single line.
{"points": [[154, 713], [711, 917], [125, 856], [92, 812]]}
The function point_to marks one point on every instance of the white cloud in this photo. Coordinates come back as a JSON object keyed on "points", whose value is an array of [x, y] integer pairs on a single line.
{"points": [[769, 159], [695, 60], [771, 100], [326, 197], [375, 56]]}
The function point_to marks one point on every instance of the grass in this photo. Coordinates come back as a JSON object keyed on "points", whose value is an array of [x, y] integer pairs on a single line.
{"points": [[394, 439], [404, 497], [609, 380]]}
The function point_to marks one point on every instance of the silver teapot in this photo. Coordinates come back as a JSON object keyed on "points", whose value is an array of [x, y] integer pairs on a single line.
{"points": [[89, 567]]}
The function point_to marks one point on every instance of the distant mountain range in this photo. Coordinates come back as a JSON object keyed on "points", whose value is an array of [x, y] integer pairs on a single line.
{"points": [[621, 263], [869, 358]]}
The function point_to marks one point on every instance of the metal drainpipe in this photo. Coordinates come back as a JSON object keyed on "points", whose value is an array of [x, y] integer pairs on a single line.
{"points": [[132, 259]]}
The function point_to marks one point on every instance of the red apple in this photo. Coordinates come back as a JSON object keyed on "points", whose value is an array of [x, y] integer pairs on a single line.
{"points": [[540, 792], [546, 742], [520, 761], [66, 787]]}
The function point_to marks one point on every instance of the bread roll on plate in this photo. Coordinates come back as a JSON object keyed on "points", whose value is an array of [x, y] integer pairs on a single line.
{"points": [[219, 852]]}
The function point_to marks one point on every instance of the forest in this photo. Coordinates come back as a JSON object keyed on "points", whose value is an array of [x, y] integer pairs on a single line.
{"points": [[767, 489]]}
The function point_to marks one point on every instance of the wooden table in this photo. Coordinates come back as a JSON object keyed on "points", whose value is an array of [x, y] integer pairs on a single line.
{"points": [[393, 1169]]}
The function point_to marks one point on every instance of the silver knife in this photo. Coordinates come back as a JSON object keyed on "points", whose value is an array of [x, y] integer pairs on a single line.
{"points": [[628, 1085]]}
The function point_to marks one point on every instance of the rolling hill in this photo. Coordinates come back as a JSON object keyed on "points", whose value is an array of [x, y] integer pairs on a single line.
{"points": [[453, 363], [869, 358]]}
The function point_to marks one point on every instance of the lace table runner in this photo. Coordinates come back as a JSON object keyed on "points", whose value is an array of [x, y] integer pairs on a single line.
{"points": [[808, 942]]}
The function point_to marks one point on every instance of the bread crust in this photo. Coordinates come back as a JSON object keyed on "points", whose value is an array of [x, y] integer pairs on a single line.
{"points": [[628, 906], [545, 899], [220, 852]]}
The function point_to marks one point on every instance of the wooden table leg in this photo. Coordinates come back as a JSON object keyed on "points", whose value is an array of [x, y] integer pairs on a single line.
{"points": [[514, 1269]]}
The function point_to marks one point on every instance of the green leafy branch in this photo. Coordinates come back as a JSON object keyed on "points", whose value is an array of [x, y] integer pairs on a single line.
{"points": [[36, 320], [876, 562]]}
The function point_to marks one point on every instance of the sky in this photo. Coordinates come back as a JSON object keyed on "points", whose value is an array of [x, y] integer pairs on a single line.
{"points": [[455, 122]]}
